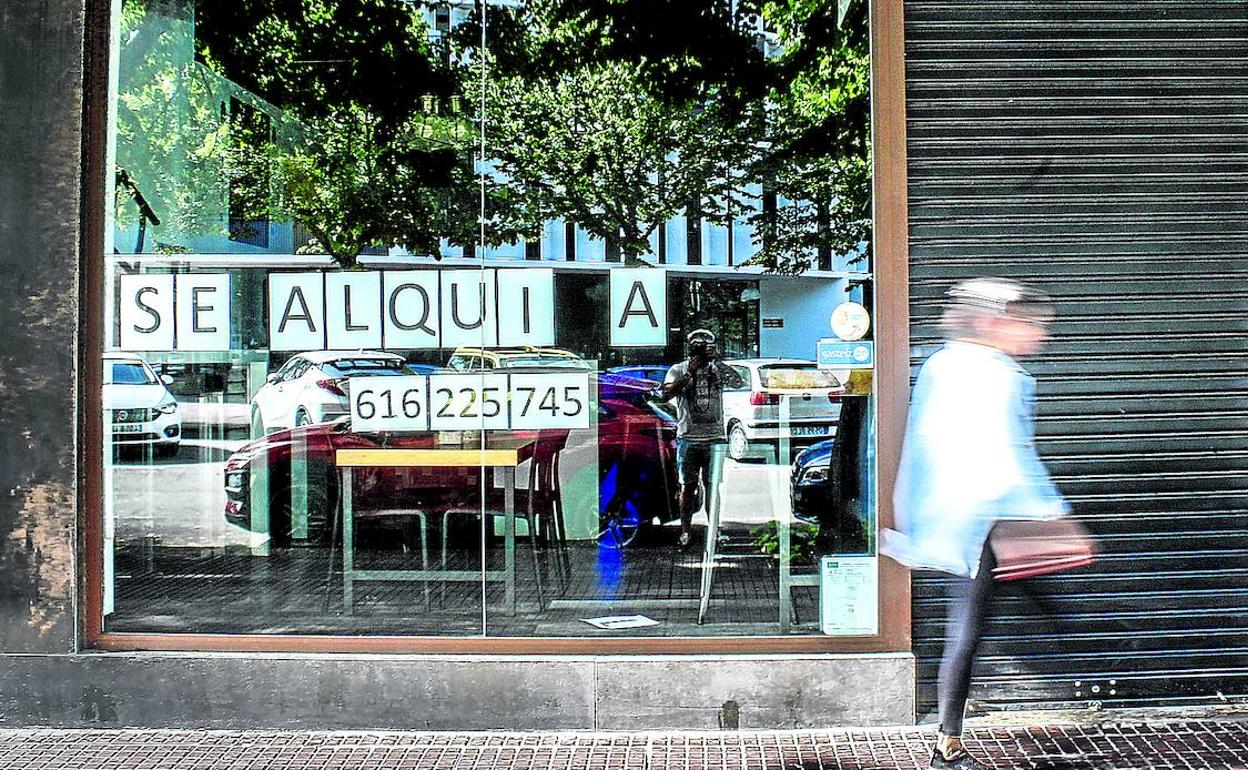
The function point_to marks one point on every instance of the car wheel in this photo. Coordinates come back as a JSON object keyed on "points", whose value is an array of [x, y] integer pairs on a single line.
{"points": [[738, 442], [302, 418], [320, 489], [619, 524]]}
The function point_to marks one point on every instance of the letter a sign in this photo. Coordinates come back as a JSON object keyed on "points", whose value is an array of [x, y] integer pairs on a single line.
{"points": [[638, 307]]}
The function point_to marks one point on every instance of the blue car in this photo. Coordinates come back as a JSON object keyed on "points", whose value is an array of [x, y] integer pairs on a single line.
{"points": [[810, 482], [651, 372], [820, 496]]}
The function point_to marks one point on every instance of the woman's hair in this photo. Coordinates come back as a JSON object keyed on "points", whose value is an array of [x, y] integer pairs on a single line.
{"points": [[979, 298]]}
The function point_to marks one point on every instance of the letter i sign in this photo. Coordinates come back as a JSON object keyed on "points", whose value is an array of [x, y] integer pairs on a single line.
{"points": [[638, 307]]}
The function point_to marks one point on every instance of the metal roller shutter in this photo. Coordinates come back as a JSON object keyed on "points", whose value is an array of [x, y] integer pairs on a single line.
{"points": [[1100, 149]]}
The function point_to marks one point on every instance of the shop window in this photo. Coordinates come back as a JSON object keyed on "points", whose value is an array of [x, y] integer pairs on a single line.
{"points": [[385, 423]]}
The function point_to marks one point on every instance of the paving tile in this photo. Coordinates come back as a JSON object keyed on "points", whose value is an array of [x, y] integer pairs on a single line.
{"points": [[1193, 745]]}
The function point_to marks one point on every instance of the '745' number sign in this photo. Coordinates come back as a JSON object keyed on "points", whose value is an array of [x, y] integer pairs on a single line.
{"points": [[469, 402]]}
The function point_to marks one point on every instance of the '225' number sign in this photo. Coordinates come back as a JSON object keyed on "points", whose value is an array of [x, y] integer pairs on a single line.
{"points": [[469, 402]]}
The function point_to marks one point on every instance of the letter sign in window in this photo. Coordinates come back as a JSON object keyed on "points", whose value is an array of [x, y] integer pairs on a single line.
{"points": [[410, 309], [468, 304], [389, 403], [526, 307], [203, 311], [296, 311], [549, 401], [638, 307], [147, 320], [468, 402], [353, 310]]}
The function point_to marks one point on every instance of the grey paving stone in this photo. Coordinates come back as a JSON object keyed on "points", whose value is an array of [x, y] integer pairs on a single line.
{"points": [[1190, 745]]}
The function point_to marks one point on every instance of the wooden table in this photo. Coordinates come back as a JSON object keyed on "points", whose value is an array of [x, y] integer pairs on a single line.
{"points": [[503, 452]]}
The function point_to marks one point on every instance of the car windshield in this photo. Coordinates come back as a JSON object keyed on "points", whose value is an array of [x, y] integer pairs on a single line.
{"points": [[129, 373], [358, 367], [546, 362], [796, 377]]}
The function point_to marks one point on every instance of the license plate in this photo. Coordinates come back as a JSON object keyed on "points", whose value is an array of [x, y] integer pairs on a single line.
{"points": [[127, 428], [810, 430]]}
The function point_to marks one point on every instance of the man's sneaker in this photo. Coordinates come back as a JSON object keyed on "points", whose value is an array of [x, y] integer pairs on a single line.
{"points": [[962, 761], [684, 540]]}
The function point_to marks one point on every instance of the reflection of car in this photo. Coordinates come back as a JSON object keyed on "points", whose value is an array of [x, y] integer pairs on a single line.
{"points": [[482, 359], [651, 372], [310, 387], [844, 524], [636, 470], [753, 414], [138, 405], [810, 484]]}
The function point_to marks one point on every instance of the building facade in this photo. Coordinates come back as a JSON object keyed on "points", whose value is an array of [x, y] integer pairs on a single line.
{"points": [[1085, 147]]}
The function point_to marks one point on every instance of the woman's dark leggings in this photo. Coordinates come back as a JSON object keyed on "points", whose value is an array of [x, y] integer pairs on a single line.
{"points": [[963, 629]]}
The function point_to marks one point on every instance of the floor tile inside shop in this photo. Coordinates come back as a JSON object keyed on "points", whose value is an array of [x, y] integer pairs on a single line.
{"points": [[298, 590]]}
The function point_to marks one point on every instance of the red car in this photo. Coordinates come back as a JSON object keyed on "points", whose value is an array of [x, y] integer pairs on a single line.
{"points": [[636, 470]]}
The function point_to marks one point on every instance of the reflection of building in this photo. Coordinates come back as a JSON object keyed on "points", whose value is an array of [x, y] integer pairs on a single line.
{"points": [[1030, 155], [175, 163]]}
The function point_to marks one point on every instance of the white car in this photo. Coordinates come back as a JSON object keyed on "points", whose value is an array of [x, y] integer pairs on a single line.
{"points": [[752, 414], [138, 407], [311, 387]]}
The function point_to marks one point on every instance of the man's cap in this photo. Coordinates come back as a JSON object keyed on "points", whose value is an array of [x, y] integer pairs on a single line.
{"points": [[999, 296], [700, 337]]}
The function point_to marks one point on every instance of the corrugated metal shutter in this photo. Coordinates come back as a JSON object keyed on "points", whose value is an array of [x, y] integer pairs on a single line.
{"points": [[1100, 149]]}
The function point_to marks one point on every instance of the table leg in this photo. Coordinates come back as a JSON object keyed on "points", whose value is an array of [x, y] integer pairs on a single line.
{"points": [[714, 506], [509, 537], [348, 544]]}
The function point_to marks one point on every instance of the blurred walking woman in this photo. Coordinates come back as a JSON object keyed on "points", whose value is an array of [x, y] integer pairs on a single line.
{"points": [[969, 461]]}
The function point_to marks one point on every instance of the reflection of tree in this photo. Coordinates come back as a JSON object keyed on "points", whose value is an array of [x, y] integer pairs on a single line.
{"points": [[617, 115], [819, 132], [355, 184], [169, 135], [379, 157], [592, 146], [614, 115]]}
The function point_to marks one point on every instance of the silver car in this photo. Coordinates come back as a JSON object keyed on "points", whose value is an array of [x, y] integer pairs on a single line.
{"points": [[752, 414], [311, 388]]}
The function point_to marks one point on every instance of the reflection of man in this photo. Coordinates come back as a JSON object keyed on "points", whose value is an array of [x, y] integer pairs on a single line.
{"points": [[696, 387]]}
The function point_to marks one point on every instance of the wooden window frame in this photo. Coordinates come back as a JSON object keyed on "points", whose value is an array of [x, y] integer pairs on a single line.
{"points": [[891, 381]]}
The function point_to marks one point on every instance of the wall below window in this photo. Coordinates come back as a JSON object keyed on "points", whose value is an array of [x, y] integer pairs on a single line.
{"points": [[260, 691]]}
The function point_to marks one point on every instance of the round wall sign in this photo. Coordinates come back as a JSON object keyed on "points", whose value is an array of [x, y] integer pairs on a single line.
{"points": [[850, 321]]}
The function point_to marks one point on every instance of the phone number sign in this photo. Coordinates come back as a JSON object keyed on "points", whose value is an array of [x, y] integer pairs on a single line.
{"points": [[469, 402]]}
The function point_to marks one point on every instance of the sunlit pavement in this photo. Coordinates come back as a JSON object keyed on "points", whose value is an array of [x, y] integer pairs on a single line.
{"points": [[1151, 745]]}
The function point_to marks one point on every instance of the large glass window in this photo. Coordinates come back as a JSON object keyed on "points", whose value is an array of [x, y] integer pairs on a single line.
{"points": [[514, 319]]}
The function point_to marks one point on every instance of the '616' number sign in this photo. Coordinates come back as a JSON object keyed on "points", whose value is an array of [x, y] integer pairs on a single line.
{"points": [[469, 402]]}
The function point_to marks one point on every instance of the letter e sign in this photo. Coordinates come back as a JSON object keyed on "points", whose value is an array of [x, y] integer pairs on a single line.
{"points": [[638, 307]]}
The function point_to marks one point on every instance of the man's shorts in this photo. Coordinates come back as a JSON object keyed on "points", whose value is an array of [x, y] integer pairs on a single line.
{"points": [[693, 460]]}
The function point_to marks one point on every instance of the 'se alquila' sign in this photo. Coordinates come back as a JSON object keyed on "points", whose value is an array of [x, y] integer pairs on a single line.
{"points": [[389, 309]]}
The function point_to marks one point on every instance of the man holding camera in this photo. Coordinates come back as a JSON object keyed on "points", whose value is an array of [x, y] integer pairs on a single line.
{"points": [[696, 388]]}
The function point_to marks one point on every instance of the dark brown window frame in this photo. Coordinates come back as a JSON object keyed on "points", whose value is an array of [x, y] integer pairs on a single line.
{"points": [[891, 381]]}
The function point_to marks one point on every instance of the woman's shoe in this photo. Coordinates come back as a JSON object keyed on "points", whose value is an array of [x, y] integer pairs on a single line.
{"points": [[962, 761]]}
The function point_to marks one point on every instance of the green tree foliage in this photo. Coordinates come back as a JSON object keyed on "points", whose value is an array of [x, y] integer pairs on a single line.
{"points": [[169, 137], [819, 133], [595, 148], [617, 115], [374, 152]]}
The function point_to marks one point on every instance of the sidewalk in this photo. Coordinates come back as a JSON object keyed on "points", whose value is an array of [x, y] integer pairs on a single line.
{"points": [[1189, 745]]}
